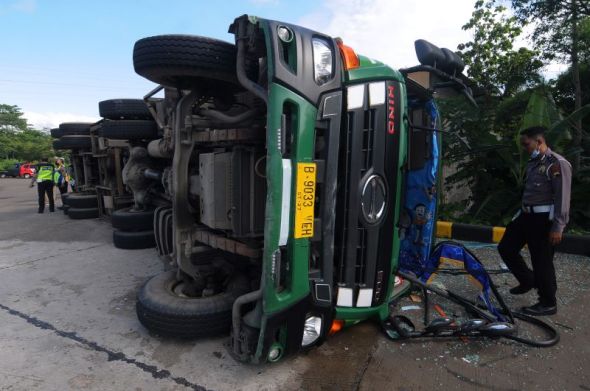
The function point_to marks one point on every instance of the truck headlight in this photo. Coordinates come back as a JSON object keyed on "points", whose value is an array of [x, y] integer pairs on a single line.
{"points": [[285, 34], [311, 330], [323, 60]]}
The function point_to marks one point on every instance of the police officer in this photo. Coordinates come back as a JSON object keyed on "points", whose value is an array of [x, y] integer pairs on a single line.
{"points": [[540, 221], [44, 177]]}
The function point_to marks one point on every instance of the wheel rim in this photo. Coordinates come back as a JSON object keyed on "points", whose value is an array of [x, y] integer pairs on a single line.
{"points": [[177, 288]]}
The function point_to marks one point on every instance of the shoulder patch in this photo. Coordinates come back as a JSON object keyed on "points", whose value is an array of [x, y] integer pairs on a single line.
{"points": [[554, 169]]}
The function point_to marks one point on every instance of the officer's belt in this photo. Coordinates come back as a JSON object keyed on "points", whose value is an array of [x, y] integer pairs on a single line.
{"points": [[537, 208]]}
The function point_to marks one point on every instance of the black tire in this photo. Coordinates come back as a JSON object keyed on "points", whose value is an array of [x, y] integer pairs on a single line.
{"points": [[73, 142], [164, 313], [75, 129], [56, 133], [124, 109], [65, 209], [185, 61], [129, 219], [82, 213], [83, 201], [129, 130], [134, 240], [64, 198]]}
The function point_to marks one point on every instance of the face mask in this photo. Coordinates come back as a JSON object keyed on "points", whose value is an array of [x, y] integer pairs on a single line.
{"points": [[536, 152]]}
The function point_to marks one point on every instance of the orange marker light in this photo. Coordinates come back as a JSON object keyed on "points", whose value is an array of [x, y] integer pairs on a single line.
{"points": [[351, 60], [337, 325]]}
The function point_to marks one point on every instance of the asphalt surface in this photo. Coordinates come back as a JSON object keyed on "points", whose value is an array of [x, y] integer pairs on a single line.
{"points": [[68, 322]]}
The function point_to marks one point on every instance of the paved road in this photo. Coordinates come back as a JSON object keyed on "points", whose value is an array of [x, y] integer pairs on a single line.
{"points": [[67, 301]]}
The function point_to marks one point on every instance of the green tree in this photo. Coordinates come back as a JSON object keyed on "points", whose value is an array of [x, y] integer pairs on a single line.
{"points": [[11, 122], [487, 161], [491, 58], [564, 91], [33, 145], [18, 141], [493, 163], [559, 31], [11, 119]]}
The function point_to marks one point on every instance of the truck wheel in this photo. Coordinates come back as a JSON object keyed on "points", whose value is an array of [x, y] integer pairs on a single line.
{"points": [[129, 219], [134, 240], [83, 201], [163, 309], [129, 130], [74, 129], [186, 61], [73, 142], [124, 109], [82, 213]]}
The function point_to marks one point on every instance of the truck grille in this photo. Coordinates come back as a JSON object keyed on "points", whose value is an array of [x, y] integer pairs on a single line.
{"points": [[366, 198]]}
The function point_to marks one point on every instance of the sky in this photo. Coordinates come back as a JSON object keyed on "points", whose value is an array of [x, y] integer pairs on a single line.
{"points": [[59, 58]]}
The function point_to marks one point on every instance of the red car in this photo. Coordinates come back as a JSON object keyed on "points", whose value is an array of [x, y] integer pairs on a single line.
{"points": [[21, 170]]}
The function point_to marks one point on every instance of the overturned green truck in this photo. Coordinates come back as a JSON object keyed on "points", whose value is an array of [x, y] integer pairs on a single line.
{"points": [[277, 182]]}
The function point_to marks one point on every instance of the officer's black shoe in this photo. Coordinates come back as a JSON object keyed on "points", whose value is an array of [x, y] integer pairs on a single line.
{"points": [[520, 289], [540, 309]]}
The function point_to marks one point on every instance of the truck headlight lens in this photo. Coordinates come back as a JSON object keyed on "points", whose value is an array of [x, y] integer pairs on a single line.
{"points": [[312, 330], [323, 60], [285, 34], [275, 353]]}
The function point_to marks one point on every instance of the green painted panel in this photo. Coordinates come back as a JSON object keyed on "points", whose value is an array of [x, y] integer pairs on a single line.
{"points": [[304, 115], [372, 70]]}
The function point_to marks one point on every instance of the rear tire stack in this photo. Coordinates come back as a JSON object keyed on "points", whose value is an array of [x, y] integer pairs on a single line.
{"points": [[81, 206], [72, 135], [130, 119], [126, 119], [134, 229], [75, 136]]}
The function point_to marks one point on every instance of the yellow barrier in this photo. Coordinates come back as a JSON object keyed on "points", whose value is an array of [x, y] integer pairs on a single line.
{"points": [[497, 234], [443, 229]]}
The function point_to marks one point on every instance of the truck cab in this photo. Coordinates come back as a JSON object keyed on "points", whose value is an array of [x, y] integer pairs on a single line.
{"points": [[280, 183]]}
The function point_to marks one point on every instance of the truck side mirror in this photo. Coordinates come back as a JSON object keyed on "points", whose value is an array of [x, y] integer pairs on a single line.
{"points": [[440, 70]]}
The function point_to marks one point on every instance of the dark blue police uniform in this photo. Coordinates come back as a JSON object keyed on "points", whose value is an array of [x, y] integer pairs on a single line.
{"points": [[544, 209]]}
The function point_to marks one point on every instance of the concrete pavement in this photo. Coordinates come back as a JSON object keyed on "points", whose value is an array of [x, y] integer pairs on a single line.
{"points": [[67, 312]]}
